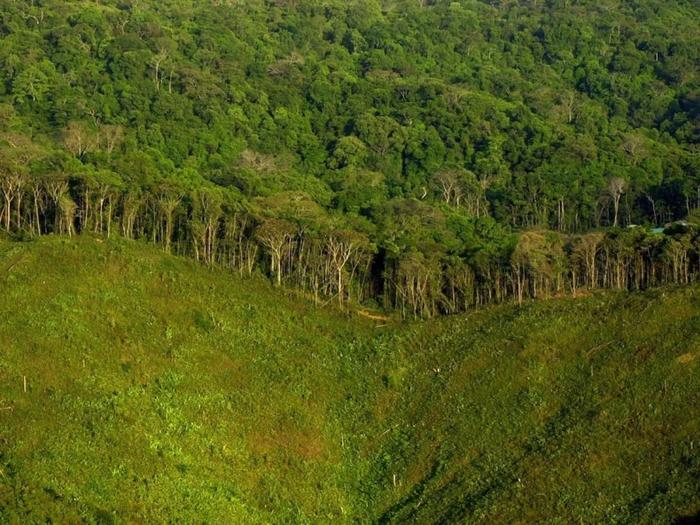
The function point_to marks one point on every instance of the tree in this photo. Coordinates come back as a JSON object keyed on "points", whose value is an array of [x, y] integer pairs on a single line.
{"points": [[156, 62], [169, 194], [13, 177], [111, 137], [348, 151], [358, 191], [32, 83], [79, 138], [204, 221], [66, 215], [63, 206], [275, 235], [451, 186], [107, 186], [345, 248], [616, 187], [132, 202], [418, 282], [17, 152], [584, 254], [538, 264]]}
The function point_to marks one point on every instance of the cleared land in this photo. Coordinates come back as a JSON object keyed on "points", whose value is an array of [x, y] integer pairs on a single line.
{"points": [[158, 389]]}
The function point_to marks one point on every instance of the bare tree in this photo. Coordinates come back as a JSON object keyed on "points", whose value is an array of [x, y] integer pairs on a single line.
{"points": [[132, 201], [12, 180], [275, 235], [259, 162], [157, 61], [566, 109], [111, 137], [343, 246], [167, 200], [616, 188], [451, 186], [585, 252], [206, 212], [17, 151], [66, 215], [635, 148], [78, 138], [57, 188]]}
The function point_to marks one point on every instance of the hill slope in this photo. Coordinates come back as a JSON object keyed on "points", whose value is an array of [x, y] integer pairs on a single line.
{"points": [[567, 411], [158, 389]]}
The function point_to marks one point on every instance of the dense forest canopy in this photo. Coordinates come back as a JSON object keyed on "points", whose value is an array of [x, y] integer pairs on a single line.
{"points": [[426, 154]]}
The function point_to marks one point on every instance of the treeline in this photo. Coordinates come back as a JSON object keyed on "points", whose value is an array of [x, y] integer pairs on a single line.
{"points": [[418, 155], [425, 261]]}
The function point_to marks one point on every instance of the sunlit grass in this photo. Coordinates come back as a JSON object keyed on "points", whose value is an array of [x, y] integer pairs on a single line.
{"points": [[157, 389]]}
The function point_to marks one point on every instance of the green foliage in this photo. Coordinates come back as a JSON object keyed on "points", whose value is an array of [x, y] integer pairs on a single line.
{"points": [[439, 129], [500, 90], [157, 390]]}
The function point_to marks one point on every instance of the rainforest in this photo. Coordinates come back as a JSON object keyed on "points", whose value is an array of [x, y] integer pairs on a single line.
{"points": [[368, 261]]}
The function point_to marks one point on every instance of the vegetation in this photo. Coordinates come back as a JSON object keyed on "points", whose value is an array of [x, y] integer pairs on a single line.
{"points": [[184, 183], [146, 388], [426, 156]]}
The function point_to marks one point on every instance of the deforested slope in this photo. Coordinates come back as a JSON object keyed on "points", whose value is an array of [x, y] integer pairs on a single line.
{"points": [[157, 389]]}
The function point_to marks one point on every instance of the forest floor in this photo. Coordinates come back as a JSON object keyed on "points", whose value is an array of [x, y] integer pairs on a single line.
{"points": [[141, 387]]}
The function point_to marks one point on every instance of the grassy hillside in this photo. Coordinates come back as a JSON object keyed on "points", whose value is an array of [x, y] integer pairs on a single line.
{"points": [[158, 389], [570, 411]]}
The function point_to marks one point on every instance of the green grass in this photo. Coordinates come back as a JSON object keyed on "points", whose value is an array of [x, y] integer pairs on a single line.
{"points": [[159, 390], [566, 411]]}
